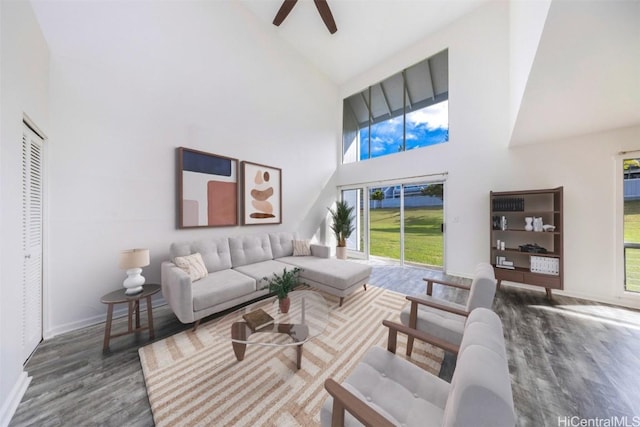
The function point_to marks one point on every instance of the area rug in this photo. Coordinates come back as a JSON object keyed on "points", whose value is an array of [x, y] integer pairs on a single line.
{"points": [[194, 379]]}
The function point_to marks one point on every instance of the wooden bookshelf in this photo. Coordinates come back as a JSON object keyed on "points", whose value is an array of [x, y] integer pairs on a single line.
{"points": [[546, 270]]}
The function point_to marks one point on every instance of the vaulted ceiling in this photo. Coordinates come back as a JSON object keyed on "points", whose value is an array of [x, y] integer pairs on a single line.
{"points": [[585, 76]]}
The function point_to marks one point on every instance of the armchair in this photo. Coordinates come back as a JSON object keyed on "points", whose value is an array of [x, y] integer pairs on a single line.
{"points": [[443, 319], [387, 390]]}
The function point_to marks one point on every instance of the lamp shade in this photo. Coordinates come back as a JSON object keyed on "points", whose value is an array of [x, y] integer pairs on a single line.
{"points": [[134, 258]]}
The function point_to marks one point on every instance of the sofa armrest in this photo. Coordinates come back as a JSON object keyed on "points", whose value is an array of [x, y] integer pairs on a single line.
{"points": [[321, 251], [176, 290]]}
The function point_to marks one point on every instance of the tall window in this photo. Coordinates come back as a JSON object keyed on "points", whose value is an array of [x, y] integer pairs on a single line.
{"points": [[631, 180], [405, 111]]}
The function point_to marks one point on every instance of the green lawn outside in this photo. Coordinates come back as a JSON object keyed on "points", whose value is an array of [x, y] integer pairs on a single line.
{"points": [[632, 235], [423, 238]]}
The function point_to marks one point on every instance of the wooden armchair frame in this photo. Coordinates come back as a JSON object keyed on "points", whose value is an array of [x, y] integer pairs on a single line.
{"points": [[344, 400], [415, 300]]}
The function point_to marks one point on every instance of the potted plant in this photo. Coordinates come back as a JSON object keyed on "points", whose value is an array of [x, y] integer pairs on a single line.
{"points": [[282, 284], [342, 226]]}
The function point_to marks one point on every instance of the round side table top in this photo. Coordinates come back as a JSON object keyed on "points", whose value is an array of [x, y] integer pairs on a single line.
{"points": [[119, 295]]}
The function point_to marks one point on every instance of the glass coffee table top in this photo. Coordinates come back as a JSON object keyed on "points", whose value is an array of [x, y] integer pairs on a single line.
{"points": [[307, 317]]}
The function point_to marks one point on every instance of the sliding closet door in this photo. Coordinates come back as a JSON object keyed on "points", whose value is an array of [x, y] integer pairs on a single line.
{"points": [[32, 220]]}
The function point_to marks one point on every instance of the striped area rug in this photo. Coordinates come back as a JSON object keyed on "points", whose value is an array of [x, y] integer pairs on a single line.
{"points": [[194, 379]]}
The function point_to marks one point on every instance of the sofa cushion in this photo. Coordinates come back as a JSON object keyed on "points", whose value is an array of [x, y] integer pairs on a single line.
{"points": [[282, 244], [301, 248], [192, 265], [260, 270], [219, 287], [335, 273], [215, 252], [250, 249]]}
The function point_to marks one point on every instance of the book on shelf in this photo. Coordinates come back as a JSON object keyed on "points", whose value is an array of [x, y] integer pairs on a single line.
{"points": [[506, 267], [257, 319]]}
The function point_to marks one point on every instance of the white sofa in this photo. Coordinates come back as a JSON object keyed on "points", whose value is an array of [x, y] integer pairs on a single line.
{"points": [[236, 267]]}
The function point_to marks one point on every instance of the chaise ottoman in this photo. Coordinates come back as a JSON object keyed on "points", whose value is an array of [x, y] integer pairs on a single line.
{"points": [[334, 276]]}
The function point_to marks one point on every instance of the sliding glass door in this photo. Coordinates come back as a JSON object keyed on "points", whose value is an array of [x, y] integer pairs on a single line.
{"points": [[402, 223]]}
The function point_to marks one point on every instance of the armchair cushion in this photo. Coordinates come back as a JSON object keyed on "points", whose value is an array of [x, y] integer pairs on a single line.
{"points": [[441, 324], [399, 390], [483, 287]]}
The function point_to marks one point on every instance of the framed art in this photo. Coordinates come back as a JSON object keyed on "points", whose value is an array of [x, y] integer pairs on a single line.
{"points": [[261, 194], [207, 189]]}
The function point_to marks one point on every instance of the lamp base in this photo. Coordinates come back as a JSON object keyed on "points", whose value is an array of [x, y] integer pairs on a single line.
{"points": [[134, 281]]}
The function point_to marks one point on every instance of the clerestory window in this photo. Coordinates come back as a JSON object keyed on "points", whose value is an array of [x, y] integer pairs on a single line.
{"points": [[405, 111]]}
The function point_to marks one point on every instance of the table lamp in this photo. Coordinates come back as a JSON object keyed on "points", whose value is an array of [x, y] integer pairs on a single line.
{"points": [[133, 260]]}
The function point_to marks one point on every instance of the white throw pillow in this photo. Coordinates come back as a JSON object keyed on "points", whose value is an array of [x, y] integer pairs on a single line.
{"points": [[301, 248], [193, 265]]}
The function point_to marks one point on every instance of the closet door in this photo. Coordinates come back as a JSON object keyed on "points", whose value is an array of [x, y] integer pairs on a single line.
{"points": [[32, 219]]}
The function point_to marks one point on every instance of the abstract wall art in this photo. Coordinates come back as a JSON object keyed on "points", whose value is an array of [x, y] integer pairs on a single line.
{"points": [[261, 194], [207, 189]]}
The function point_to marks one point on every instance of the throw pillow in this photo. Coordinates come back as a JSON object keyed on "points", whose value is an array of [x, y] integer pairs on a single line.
{"points": [[193, 265], [301, 248]]}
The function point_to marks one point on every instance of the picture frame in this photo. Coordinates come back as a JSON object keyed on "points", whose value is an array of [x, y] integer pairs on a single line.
{"points": [[261, 198], [207, 189]]}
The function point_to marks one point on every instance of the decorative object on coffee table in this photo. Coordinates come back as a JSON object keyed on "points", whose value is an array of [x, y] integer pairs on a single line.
{"points": [[257, 319], [282, 284], [133, 260], [342, 226]]}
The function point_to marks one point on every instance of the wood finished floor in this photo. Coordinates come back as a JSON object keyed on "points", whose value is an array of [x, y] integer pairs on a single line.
{"points": [[567, 358]]}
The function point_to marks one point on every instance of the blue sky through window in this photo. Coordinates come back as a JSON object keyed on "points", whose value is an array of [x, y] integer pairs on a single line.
{"points": [[425, 127]]}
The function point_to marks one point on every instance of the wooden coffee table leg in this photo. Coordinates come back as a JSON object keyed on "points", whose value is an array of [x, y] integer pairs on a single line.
{"points": [[239, 332], [239, 349], [299, 356], [107, 327]]}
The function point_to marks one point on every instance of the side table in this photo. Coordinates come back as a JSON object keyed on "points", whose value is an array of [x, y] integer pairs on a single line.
{"points": [[133, 301]]}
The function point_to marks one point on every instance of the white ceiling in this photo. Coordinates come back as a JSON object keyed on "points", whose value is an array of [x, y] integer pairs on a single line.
{"points": [[368, 30], [586, 74]]}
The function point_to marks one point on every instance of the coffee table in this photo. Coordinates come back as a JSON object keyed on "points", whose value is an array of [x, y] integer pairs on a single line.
{"points": [[308, 317]]}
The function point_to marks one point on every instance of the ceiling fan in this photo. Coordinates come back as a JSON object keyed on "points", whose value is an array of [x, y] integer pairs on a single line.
{"points": [[323, 9]]}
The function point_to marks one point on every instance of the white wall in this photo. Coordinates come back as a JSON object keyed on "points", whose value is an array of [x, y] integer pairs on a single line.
{"points": [[478, 121], [24, 90], [478, 159], [203, 75], [526, 23]]}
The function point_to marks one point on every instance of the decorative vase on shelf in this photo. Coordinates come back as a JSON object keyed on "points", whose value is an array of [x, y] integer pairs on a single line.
{"points": [[529, 223], [537, 223]]}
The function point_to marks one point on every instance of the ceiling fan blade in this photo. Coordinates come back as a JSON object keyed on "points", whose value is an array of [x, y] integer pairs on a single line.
{"points": [[286, 7], [326, 15]]}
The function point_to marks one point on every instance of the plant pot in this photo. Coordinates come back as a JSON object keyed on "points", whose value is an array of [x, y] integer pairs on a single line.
{"points": [[285, 303], [341, 252]]}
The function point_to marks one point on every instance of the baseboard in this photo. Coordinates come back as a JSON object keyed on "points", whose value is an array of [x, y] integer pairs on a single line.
{"points": [[120, 311], [13, 400], [621, 302]]}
